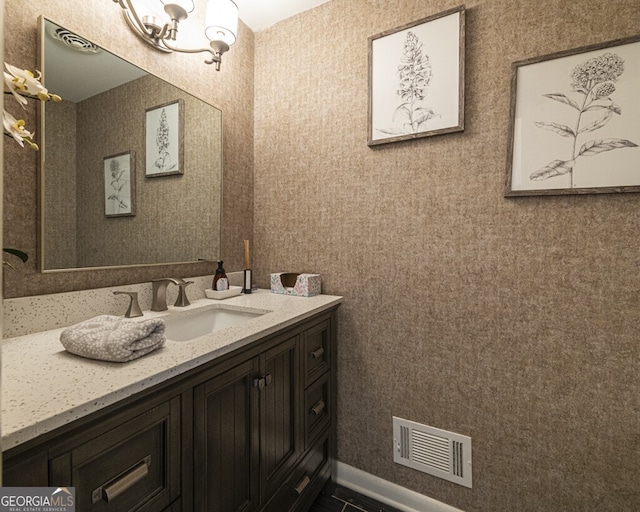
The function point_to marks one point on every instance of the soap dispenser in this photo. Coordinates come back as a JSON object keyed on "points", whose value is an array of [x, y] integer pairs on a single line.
{"points": [[220, 281]]}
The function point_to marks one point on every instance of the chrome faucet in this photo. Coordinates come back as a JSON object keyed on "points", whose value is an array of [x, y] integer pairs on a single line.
{"points": [[159, 292]]}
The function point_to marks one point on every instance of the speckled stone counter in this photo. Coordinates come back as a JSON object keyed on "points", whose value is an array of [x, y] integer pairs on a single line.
{"points": [[45, 387]]}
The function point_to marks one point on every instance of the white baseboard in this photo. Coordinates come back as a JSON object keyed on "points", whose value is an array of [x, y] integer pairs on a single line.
{"points": [[386, 492]]}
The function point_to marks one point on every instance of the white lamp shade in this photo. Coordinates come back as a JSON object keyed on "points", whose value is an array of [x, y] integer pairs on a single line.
{"points": [[221, 21], [149, 8], [187, 5]]}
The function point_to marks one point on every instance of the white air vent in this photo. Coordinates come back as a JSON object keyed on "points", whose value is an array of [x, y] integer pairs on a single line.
{"points": [[433, 451], [73, 41]]}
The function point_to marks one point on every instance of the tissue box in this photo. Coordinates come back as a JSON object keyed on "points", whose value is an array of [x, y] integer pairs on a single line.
{"points": [[301, 285]]}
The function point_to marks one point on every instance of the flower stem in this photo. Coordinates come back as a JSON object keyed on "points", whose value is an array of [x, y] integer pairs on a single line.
{"points": [[575, 137]]}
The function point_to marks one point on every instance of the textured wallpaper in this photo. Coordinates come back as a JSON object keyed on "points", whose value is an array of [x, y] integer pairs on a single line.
{"points": [[177, 217], [514, 321], [60, 188], [231, 90]]}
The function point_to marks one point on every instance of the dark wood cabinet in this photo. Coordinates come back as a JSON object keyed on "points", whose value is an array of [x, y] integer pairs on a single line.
{"points": [[225, 441], [127, 460], [251, 431], [280, 430]]}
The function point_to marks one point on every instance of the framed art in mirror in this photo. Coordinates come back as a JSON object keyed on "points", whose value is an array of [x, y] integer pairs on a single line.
{"points": [[574, 122], [416, 79], [164, 138], [119, 185]]}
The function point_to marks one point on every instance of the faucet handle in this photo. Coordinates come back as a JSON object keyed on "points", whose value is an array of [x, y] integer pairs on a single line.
{"points": [[134, 308], [182, 300]]}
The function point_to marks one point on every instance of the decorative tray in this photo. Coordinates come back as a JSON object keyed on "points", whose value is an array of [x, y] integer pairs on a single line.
{"points": [[224, 294]]}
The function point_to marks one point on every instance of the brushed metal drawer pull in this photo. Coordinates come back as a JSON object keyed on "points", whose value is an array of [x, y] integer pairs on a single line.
{"points": [[114, 489], [262, 382], [318, 408], [302, 485], [317, 354]]}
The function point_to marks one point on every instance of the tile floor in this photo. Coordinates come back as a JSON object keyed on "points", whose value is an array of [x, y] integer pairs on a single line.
{"points": [[346, 500]]}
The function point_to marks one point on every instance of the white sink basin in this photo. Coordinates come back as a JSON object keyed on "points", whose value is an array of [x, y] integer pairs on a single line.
{"points": [[185, 326]]}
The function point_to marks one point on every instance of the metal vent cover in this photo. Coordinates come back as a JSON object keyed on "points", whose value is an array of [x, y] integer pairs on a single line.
{"points": [[433, 451], [73, 41]]}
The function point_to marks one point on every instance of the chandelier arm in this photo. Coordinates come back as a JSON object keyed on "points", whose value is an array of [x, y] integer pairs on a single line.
{"points": [[159, 37], [132, 14], [214, 56]]}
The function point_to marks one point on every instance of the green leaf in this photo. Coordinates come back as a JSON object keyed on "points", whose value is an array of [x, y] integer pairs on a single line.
{"points": [[597, 124], [555, 168], [561, 129], [594, 147], [22, 255], [562, 98]]}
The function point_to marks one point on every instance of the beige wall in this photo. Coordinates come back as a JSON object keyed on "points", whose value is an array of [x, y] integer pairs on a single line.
{"points": [[231, 90], [171, 212], [514, 321], [60, 238]]}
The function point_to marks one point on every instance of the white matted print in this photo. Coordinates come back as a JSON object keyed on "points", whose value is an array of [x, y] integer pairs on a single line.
{"points": [[416, 79], [574, 122], [164, 139], [119, 185]]}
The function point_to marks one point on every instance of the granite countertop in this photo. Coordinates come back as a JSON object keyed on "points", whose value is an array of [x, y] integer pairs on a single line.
{"points": [[45, 387]]}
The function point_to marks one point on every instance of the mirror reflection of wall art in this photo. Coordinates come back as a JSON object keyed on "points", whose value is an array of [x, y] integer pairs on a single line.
{"points": [[119, 185], [416, 79], [164, 139], [574, 122]]}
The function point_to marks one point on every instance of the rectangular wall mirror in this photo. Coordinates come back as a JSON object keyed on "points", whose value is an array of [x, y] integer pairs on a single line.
{"points": [[130, 165]]}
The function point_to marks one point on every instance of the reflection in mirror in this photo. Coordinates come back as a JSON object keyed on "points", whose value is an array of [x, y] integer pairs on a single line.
{"points": [[101, 204]]}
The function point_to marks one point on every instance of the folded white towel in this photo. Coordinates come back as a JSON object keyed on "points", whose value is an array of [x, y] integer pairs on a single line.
{"points": [[114, 338]]}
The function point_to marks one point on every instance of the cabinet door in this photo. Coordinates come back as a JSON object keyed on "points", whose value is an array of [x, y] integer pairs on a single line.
{"points": [[26, 470], [280, 425], [225, 441]]}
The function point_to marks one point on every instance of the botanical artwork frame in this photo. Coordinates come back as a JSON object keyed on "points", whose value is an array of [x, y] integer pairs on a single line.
{"points": [[416, 79], [164, 139], [574, 121], [119, 185]]}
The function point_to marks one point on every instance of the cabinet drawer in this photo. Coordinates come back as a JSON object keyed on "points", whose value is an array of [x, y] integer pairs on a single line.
{"points": [[303, 479], [132, 467], [317, 351], [317, 410]]}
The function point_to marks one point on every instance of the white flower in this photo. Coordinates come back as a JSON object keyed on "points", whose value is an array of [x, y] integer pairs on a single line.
{"points": [[22, 82], [15, 128]]}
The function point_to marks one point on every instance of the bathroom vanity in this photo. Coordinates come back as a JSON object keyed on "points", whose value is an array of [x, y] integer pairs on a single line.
{"points": [[241, 419]]}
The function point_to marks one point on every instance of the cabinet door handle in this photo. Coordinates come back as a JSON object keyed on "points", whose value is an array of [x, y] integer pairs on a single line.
{"points": [[263, 382], [115, 488], [317, 354], [302, 485], [318, 408]]}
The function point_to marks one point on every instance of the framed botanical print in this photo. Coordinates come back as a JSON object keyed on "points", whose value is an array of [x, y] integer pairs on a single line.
{"points": [[574, 122], [416, 79], [164, 128], [119, 185]]}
